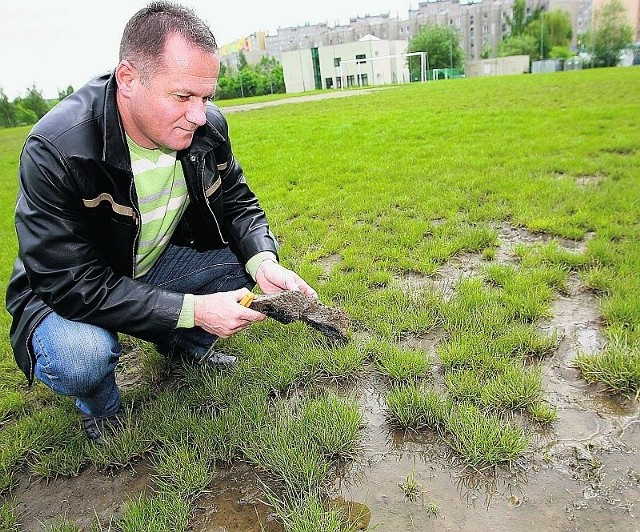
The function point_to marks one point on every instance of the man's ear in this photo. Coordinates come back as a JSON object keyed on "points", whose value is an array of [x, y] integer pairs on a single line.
{"points": [[126, 75]]}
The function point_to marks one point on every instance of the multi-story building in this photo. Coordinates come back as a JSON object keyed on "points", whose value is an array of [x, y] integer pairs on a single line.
{"points": [[481, 24]]}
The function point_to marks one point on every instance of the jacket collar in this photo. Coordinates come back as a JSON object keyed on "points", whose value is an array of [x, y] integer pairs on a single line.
{"points": [[115, 151]]}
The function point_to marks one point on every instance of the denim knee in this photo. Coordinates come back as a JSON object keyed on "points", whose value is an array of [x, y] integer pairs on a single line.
{"points": [[71, 363]]}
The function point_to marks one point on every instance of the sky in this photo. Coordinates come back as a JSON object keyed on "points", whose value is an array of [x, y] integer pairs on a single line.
{"points": [[54, 44]]}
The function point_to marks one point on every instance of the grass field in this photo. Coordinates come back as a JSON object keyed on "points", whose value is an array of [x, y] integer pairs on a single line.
{"points": [[364, 193]]}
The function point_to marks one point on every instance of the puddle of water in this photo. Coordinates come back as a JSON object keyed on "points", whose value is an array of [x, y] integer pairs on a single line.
{"points": [[581, 475], [234, 504]]}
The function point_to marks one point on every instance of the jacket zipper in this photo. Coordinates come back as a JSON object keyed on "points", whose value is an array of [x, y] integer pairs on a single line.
{"points": [[136, 220], [199, 164]]}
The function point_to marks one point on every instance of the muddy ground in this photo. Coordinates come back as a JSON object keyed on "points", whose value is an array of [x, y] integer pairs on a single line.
{"points": [[581, 475]]}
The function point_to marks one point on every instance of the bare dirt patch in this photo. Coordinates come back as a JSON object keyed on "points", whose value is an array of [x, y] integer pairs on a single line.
{"points": [[85, 500]]}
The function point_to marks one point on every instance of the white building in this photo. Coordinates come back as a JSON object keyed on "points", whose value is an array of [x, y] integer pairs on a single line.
{"points": [[369, 61]]}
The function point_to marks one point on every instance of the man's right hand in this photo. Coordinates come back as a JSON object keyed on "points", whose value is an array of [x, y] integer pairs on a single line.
{"points": [[221, 313]]}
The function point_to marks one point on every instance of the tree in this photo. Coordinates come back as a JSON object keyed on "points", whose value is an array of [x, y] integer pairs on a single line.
{"points": [[33, 102], [24, 115], [442, 44], [242, 61], [8, 116], [519, 19], [272, 77], [63, 93], [610, 34], [557, 25], [537, 34], [518, 45]]}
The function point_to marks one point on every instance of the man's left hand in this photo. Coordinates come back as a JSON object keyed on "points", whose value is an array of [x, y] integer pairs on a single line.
{"points": [[272, 277]]}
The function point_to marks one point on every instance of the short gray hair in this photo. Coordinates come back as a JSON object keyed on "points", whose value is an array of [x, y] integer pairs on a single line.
{"points": [[144, 36]]}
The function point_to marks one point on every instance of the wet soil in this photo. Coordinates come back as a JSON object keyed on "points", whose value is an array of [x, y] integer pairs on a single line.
{"points": [[581, 474], [289, 306], [90, 498]]}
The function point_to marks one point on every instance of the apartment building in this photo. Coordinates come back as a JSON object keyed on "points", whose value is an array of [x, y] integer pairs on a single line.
{"points": [[309, 50], [482, 24]]}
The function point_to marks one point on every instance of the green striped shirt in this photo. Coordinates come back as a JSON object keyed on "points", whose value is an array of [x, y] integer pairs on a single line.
{"points": [[162, 199]]}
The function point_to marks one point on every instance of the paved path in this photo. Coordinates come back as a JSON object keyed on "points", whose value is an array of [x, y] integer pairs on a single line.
{"points": [[295, 99]]}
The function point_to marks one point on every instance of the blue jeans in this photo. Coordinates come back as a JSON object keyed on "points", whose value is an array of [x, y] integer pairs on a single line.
{"points": [[79, 359]]}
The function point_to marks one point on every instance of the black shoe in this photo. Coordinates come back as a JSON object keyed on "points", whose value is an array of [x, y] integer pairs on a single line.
{"points": [[98, 429], [216, 358], [211, 357]]}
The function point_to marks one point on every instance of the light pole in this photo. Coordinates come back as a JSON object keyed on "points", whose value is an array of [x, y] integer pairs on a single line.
{"points": [[451, 54], [541, 34]]}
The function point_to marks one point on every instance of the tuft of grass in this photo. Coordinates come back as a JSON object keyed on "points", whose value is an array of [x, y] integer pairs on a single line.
{"points": [[125, 447], [333, 424], [483, 439], [411, 406], [342, 363], [617, 367], [287, 453], [542, 412], [433, 510], [309, 514], [182, 469], [600, 279], [515, 388], [62, 524], [9, 515], [396, 363], [551, 253], [411, 487], [66, 461], [161, 513], [464, 385]]}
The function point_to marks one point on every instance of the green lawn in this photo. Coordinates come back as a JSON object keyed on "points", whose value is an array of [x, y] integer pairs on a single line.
{"points": [[364, 192]]}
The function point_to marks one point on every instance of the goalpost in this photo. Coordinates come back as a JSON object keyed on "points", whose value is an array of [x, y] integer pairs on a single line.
{"points": [[361, 71]]}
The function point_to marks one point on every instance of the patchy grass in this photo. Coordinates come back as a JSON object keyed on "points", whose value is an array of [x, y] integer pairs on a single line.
{"points": [[617, 367], [394, 192]]}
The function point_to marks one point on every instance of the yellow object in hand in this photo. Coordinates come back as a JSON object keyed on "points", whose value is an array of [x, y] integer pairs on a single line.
{"points": [[246, 300]]}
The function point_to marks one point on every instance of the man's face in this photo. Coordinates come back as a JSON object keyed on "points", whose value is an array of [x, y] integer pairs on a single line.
{"points": [[166, 108]]}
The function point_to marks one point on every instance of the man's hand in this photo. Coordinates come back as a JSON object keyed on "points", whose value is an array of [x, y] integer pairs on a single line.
{"points": [[221, 313], [272, 278]]}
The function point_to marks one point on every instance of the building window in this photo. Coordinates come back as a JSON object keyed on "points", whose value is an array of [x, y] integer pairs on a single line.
{"points": [[339, 83], [363, 79], [329, 83], [361, 58], [485, 29], [336, 61], [350, 80]]}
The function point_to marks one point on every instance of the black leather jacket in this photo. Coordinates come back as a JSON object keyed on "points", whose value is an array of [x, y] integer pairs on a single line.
{"points": [[78, 222]]}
